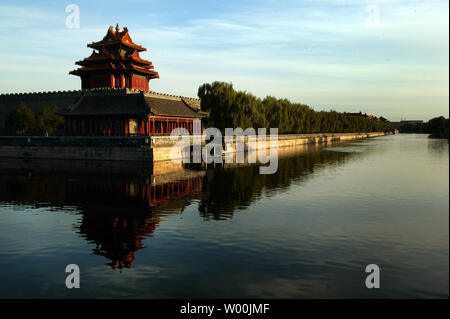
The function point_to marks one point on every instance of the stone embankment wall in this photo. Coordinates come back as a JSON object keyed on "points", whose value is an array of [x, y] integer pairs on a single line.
{"points": [[162, 145], [140, 148]]}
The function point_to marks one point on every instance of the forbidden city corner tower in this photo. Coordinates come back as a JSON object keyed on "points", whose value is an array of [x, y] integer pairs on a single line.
{"points": [[115, 63]]}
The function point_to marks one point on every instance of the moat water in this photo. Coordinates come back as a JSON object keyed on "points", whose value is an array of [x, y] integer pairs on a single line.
{"points": [[307, 231]]}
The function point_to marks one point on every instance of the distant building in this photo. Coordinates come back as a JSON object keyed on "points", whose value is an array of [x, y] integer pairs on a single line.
{"points": [[411, 124]]}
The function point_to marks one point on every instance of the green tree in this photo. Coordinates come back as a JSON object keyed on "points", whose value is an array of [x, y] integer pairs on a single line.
{"points": [[21, 120], [48, 121], [437, 127], [230, 108]]}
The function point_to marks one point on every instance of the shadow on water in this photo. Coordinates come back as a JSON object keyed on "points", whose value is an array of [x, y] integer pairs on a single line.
{"points": [[121, 204], [437, 145], [237, 186]]}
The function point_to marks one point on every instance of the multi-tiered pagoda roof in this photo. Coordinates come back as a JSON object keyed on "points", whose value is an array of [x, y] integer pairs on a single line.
{"points": [[115, 63]]}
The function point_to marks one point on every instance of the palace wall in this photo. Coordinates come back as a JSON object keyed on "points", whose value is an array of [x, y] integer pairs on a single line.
{"points": [[36, 102], [63, 99]]}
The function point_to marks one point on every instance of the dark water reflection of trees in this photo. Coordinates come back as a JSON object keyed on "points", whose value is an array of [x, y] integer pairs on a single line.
{"points": [[230, 188]]}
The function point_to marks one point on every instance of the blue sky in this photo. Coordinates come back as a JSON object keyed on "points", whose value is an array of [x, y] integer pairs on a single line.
{"points": [[326, 54]]}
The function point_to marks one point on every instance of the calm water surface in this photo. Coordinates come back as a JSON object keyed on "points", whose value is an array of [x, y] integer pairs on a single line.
{"points": [[307, 231]]}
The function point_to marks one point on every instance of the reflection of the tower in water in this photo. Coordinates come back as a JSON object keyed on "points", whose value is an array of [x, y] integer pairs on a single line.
{"points": [[128, 213], [120, 204]]}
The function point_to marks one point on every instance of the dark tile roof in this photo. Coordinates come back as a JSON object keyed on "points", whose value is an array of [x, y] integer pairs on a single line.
{"points": [[133, 104], [130, 104], [169, 107]]}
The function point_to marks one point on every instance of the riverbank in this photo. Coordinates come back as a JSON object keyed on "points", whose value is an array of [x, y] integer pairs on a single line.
{"points": [[139, 148]]}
